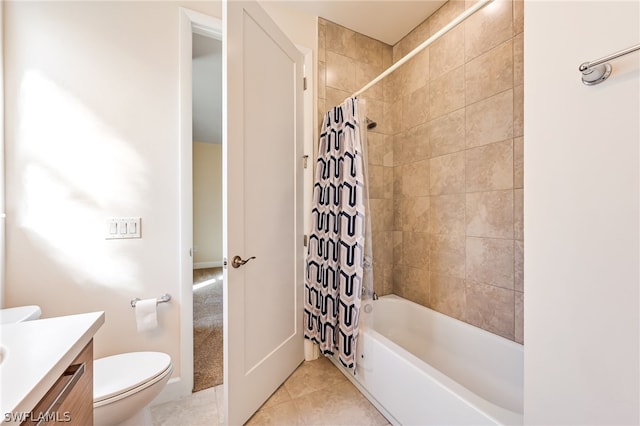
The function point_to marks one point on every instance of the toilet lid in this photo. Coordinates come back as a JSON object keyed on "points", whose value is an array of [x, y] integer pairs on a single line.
{"points": [[120, 373]]}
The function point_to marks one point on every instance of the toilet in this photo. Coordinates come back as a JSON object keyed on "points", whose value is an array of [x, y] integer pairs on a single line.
{"points": [[123, 384]]}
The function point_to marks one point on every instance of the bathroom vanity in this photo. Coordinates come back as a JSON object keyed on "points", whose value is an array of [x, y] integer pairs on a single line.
{"points": [[46, 363]]}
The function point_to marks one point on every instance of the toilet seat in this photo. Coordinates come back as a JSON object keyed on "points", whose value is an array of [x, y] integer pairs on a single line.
{"points": [[118, 376]]}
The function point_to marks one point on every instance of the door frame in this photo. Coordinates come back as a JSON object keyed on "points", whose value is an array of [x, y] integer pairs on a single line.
{"points": [[190, 22], [196, 22]]}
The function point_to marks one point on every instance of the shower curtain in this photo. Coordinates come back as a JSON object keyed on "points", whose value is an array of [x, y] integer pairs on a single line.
{"points": [[338, 261]]}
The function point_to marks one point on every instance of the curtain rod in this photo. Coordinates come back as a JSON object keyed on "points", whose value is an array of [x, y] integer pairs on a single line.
{"points": [[464, 15]]}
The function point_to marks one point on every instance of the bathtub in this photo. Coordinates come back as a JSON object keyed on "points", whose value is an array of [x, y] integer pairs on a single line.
{"points": [[420, 367]]}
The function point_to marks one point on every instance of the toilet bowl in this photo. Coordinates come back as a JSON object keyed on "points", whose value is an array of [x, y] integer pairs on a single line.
{"points": [[124, 385]]}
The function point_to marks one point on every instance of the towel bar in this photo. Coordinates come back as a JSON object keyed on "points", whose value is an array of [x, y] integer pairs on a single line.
{"points": [[595, 72], [162, 299]]}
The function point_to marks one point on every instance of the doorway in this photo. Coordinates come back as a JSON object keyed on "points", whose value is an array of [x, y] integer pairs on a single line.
{"points": [[206, 69], [194, 26], [256, 110]]}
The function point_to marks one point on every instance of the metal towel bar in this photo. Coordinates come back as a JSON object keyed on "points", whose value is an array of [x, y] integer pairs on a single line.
{"points": [[595, 72], [162, 299]]}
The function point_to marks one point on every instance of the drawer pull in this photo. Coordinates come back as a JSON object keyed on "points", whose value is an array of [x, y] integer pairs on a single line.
{"points": [[75, 371]]}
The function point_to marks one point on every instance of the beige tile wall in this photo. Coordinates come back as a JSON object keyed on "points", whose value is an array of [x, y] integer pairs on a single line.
{"points": [[347, 61], [445, 161]]}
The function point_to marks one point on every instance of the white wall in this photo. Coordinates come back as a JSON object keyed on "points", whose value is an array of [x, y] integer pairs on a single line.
{"points": [[207, 204], [581, 216], [299, 26], [91, 132]]}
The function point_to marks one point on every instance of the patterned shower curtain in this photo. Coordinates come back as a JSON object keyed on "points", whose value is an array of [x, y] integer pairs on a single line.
{"points": [[335, 258]]}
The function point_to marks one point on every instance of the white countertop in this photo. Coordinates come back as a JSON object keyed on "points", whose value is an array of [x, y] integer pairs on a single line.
{"points": [[37, 353]]}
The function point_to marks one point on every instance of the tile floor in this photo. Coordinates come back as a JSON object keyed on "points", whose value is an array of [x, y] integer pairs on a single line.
{"points": [[315, 394]]}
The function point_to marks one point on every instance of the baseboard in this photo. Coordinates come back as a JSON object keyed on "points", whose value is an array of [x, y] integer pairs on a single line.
{"points": [[202, 265]]}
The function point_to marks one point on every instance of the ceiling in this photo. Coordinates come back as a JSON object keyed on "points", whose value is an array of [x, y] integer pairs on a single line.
{"points": [[385, 20]]}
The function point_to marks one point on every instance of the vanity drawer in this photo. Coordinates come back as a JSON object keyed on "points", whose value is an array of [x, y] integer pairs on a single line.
{"points": [[70, 399]]}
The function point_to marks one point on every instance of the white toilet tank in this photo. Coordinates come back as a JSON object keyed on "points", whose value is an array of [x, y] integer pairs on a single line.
{"points": [[20, 314]]}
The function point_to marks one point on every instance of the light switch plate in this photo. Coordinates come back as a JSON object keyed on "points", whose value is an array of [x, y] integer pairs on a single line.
{"points": [[119, 228]]}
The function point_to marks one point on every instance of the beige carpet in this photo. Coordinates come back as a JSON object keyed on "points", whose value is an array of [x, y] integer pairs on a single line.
{"points": [[207, 329]]}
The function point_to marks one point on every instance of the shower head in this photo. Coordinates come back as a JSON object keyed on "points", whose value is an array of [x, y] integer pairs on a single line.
{"points": [[371, 124]]}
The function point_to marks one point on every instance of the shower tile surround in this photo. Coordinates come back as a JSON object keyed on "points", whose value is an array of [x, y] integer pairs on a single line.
{"points": [[445, 160]]}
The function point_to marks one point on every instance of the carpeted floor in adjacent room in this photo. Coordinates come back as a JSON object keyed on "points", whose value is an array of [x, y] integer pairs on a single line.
{"points": [[207, 328]]}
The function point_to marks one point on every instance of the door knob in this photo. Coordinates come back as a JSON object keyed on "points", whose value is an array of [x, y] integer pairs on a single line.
{"points": [[237, 261]]}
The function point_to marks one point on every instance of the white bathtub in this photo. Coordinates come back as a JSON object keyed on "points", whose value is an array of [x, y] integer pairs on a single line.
{"points": [[421, 367]]}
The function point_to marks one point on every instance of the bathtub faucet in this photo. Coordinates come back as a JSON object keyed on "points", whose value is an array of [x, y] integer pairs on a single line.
{"points": [[375, 296]]}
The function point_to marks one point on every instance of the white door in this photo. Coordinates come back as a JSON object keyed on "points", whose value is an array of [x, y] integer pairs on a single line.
{"points": [[262, 169]]}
